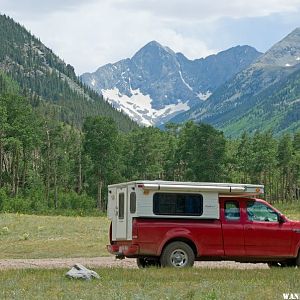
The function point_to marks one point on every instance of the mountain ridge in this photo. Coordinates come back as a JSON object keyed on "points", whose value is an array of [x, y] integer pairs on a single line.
{"points": [[165, 82], [47, 80], [238, 95]]}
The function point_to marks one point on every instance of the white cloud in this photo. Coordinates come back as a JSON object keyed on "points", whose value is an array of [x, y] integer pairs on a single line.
{"points": [[203, 10], [35, 8], [88, 34], [98, 33]]}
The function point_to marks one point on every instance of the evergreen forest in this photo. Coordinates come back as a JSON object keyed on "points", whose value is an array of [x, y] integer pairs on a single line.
{"points": [[61, 144], [47, 165]]}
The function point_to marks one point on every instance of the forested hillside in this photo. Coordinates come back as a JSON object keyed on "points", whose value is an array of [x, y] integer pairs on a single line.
{"points": [[48, 165], [58, 152], [50, 85], [276, 109]]}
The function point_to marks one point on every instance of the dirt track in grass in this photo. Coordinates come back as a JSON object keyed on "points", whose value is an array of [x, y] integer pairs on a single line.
{"points": [[96, 262]]}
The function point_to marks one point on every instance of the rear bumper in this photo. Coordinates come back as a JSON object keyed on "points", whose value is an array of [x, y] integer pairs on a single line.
{"points": [[123, 250]]}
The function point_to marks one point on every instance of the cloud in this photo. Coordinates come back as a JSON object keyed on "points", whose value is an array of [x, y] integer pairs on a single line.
{"points": [[207, 10], [91, 33], [37, 7]]}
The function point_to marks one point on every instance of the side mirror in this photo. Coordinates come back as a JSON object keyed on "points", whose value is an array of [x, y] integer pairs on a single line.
{"points": [[281, 219]]}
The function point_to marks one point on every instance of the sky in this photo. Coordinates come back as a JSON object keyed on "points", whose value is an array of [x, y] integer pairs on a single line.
{"points": [[90, 33]]}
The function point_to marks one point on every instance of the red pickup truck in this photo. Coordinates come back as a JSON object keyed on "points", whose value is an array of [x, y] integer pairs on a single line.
{"points": [[172, 224]]}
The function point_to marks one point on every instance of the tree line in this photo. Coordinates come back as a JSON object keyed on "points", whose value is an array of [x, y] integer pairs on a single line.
{"points": [[49, 165]]}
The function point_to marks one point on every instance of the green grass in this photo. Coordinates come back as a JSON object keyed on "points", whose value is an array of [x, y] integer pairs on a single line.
{"points": [[31, 236], [151, 284], [26, 236], [289, 209]]}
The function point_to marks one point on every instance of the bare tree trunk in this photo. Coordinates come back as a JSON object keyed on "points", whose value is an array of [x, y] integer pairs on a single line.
{"points": [[79, 183], [15, 171], [13, 182], [55, 189], [48, 170], [1, 162], [99, 195], [24, 169], [17, 175]]}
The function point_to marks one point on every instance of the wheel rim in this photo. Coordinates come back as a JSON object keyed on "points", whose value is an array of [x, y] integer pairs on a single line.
{"points": [[179, 258]]}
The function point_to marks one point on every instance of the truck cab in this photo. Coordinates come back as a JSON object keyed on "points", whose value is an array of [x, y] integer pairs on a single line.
{"points": [[176, 223]]}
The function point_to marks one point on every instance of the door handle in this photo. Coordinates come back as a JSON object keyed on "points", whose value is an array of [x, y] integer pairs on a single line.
{"points": [[249, 228]]}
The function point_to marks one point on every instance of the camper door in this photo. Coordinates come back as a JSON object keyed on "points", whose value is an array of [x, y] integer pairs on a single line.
{"points": [[121, 214]]}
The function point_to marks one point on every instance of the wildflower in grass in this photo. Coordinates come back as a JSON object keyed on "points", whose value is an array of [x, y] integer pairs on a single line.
{"points": [[25, 236], [5, 230]]}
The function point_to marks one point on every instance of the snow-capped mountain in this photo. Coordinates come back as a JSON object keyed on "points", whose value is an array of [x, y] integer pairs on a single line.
{"points": [[156, 83], [265, 93]]}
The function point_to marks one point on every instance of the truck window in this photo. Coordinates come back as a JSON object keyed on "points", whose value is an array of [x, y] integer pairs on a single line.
{"points": [[232, 210], [132, 202], [258, 211], [177, 204], [121, 206]]}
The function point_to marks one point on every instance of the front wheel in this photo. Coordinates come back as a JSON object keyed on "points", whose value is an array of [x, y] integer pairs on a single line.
{"points": [[275, 264], [177, 255], [282, 264]]}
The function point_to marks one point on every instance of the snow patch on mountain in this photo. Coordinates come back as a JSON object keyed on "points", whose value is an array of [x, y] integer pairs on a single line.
{"points": [[139, 107], [204, 96], [185, 83]]}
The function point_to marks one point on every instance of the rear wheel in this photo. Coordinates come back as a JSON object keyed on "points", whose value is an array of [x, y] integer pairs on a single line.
{"points": [[177, 255], [146, 262], [297, 262]]}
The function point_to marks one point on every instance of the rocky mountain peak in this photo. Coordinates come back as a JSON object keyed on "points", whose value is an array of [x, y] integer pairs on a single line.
{"points": [[156, 83], [285, 53], [154, 47]]}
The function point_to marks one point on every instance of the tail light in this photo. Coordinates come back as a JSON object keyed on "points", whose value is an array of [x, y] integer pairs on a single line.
{"points": [[135, 233]]}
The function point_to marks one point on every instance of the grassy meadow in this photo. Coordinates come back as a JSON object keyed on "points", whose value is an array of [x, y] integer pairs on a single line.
{"points": [[31, 236], [290, 209], [117, 283]]}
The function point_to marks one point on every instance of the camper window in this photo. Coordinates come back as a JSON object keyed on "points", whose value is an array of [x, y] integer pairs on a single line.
{"points": [[132, 202], [121, 206], [181, 204]]}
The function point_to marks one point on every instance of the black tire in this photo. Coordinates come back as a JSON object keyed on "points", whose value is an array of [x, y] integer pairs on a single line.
{"points": [[282, 264], [147, 262], [177, 255], [297, 262], [275, 264]]}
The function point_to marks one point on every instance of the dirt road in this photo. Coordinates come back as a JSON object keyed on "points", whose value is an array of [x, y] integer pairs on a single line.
{"points": [[96, 262]]}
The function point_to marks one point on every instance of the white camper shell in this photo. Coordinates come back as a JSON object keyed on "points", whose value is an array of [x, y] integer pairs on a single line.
{"points": [[136, 199]]}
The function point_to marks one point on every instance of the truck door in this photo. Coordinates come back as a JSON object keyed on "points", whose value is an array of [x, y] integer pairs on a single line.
{"points": [[232, 227], [264, 234], [121, 214]]}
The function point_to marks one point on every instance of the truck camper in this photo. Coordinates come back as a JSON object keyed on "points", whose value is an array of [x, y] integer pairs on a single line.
{"points": [[172, 224]]}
